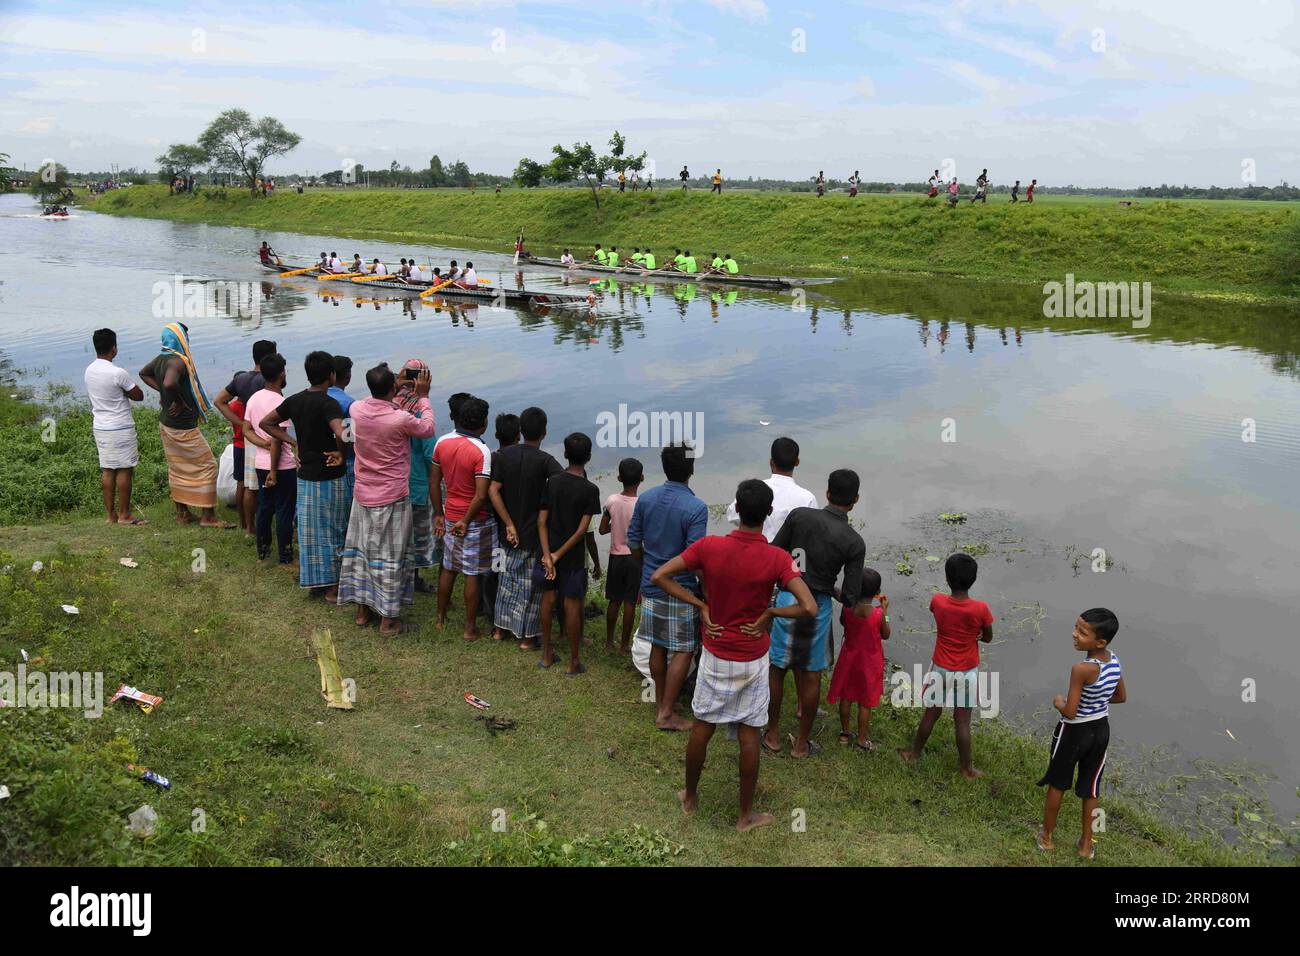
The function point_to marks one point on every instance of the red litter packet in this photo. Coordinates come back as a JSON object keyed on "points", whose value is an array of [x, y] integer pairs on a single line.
{"points": [[147, 702], [478, 702]]}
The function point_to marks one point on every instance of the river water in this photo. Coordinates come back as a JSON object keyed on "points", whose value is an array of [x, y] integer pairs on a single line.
{"points": [[1071, 435]]}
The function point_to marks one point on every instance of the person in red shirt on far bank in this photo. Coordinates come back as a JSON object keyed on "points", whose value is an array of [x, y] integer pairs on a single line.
{"points": [[1029, 193], [962, 623], [738, 572]]}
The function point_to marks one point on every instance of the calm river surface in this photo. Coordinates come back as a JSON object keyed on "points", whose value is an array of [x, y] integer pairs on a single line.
{"points": [[1071, 435]]}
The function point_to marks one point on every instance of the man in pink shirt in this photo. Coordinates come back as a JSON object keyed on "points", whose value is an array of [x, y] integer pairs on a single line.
{"points": [[461, 518], [378, 572]]}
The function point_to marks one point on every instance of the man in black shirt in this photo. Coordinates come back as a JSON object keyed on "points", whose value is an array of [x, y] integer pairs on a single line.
{"points": [[323, 502], [823, 544], [519, 476], [563, 526]]}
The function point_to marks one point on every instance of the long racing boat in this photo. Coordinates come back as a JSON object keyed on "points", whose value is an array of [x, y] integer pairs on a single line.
{"points": [[631, 270], [484, 293]]}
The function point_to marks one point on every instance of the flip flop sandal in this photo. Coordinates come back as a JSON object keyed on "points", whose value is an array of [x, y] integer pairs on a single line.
{"points": [[1092, 854], [814, 748], [542, 665], [406, 627], [580, 670], [868, 747], [134, 521], [1038, 841], [845, 738], [774, 751]]}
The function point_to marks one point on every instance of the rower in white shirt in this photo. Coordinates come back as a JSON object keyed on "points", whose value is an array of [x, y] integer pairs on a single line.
{"points": [[336, 264], [469, 278], [377, 268], [786, 495], [453, 272], [415, 275], [567, 258]]}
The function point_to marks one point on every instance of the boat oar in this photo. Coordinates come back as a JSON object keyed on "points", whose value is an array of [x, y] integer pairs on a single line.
{"points": [[298, 272], [431, 291], [336, 275], [371, 278]]}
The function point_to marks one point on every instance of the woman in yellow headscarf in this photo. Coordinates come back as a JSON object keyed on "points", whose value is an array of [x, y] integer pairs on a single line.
{"points": [[191, 468]]}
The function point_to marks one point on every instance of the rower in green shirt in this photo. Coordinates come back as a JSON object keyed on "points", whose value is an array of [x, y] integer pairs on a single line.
{"points": [[731, 265], [679, 260], [716, 264], [636, 255], [688, 263], [612, 258], [648, 260], [600, 254]]}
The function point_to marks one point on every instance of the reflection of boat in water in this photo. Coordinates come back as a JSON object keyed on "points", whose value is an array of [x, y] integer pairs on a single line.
{"points": [[635, 271], [491, 294]]}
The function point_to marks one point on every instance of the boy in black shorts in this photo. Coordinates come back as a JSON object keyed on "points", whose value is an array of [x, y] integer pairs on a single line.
{"points": [[568, 502], [1083, 734], [623, 579]]}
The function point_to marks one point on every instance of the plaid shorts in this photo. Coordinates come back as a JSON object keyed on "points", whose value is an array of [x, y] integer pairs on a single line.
{"points": [[669, 623], [471, 553]]}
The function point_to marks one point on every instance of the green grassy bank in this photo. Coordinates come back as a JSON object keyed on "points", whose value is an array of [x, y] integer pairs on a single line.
{"points": [[1240, 250], [410, 776]]}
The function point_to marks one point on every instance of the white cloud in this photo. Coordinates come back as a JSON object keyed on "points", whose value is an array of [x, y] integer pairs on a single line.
{"points": [[754, 11]]}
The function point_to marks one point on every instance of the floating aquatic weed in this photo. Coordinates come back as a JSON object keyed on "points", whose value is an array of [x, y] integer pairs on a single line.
{"points": [[953, 517]]}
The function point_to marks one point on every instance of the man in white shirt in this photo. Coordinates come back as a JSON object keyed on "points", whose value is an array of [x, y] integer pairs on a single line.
{"points": [[453, 272], [377, 268], [336, 264], [786, 495], [111, 392], [469, 278], [415, 275], [567, 258]]}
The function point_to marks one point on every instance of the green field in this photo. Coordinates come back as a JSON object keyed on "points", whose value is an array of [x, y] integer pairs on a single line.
{"points": [[410, 776], [1226, 249]]}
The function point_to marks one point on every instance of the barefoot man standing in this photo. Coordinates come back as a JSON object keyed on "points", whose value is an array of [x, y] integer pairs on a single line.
{"points": [[739, 571], [191, 469]]}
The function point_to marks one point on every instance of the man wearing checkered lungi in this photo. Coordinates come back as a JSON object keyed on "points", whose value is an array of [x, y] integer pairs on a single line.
{"points": [[323, 504], [739, 571], [519, 473], [666, 521]]}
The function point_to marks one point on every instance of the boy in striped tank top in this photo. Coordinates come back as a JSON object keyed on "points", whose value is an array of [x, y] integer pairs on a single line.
{"points": [[1083, 734]]}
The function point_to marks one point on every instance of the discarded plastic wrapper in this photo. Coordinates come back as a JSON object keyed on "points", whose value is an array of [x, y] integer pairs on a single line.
{"points": [[143, 821], [37, 567], [146, 774], [128, 563], [24, 653], [70, 609], [4, 792], [478, 702], [147, 702], [331, 677]]}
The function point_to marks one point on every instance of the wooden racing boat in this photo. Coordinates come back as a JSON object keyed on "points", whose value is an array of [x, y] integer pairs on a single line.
{"points": [[485, 293], [633, 271]]}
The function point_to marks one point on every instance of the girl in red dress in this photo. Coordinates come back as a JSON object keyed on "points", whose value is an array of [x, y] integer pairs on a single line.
{"points": [[860, 670]]}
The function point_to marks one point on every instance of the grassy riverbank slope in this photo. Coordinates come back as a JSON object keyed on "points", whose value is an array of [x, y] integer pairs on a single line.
{"points": [[411, 776], [1237, 250]]}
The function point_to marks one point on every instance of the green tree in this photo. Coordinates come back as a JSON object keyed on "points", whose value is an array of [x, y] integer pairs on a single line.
{"points": [[181, 159], [529, 172], [460, 174], [437, 175], [234, 141], [6, 174], [50, 184]]}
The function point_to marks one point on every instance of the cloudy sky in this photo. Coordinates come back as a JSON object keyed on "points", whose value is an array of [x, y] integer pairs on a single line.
{"points": [[1091, 93]]}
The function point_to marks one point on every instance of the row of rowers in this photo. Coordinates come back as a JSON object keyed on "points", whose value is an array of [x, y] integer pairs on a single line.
{"points": [[682, 261], [408, 271]]}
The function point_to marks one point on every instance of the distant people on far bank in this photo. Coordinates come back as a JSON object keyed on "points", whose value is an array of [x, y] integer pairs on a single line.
{"points": [[853, 184], [821, 183], [684, 175], [717, 182]]}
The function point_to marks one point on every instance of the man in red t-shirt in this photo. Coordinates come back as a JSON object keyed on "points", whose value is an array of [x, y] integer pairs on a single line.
{"points": [[962, 623], [461, 519], [738, 572]]}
